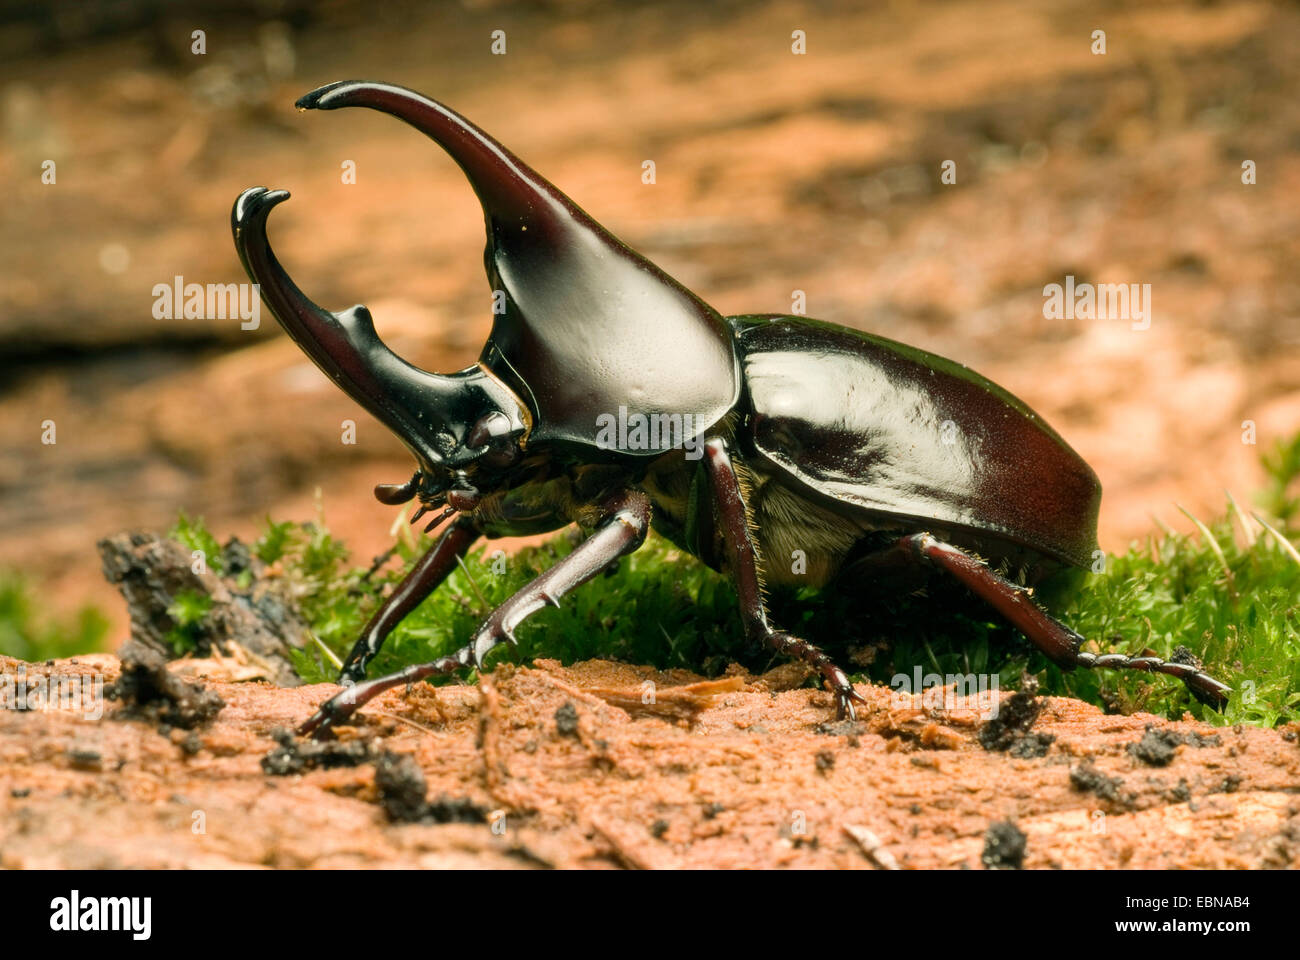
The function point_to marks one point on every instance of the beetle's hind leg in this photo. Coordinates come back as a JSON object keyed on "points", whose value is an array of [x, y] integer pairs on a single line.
{"points": [[1062, 645], [743, 558]]}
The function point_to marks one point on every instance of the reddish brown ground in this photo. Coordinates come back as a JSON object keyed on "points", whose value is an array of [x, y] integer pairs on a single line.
{"points": [[775, 173], [636, 791]]}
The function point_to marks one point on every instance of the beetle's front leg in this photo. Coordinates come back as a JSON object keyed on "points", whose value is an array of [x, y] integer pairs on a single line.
{"points": [[424, 578], [744, 570], [626, 518]]}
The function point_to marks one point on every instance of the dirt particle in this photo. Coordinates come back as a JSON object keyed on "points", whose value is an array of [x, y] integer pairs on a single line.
{"points": [[1088, 779], [1181, 793], [1004, 847], [447, 809], [1008, 729], [566, 720], [658, 829], [1031, 745], [1157, 748], [401, 787], [294, 756], [192, 743], [1231, 783], [84, 758], [402, 790], [148, 690], [825, 761], [852, 729], [711, 810], [20, 793]]}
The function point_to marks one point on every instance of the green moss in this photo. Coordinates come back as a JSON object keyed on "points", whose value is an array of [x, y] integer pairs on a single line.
{"points": [[1281, 497], [192, 532], [27, 635], [1237, 609], [188, 610]]}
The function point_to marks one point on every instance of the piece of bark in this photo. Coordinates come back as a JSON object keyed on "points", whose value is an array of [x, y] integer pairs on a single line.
{"points": [[151, 571]]}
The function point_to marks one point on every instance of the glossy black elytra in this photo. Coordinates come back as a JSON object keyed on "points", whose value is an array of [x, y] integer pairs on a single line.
{"points": [[863, 453]]}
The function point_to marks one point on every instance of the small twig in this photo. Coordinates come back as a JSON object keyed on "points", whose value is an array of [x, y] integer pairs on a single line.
{"points": [[872, 847], [470, 577], [380, 560], [330, 655], [412, 723]]}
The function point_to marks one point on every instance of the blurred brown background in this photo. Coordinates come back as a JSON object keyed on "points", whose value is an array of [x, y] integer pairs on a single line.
{"points": [[775, 173]]}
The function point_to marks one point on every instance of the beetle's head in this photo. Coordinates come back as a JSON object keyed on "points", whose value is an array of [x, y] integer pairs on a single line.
{"points": [[582, 324], [458, 488], [585, 326], [463, 428]]}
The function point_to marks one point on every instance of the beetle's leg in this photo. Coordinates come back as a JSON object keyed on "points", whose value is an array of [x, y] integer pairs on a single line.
{"points": [[338, 708], [744, 570], [1060, 643], [428, 572], [623, 529]]}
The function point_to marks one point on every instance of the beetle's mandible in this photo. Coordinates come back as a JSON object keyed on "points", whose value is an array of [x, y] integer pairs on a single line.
{"points": [[610, 396]]}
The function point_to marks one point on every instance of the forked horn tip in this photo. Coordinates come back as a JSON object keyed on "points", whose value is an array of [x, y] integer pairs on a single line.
{"points": [[257, 200], [326, 97]]}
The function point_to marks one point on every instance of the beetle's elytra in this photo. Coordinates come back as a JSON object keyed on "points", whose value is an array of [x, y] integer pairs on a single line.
{"points": [[738, 438]]}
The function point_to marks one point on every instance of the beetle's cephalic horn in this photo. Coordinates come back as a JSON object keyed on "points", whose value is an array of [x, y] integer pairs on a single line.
{"points": [[431, 413], [589, 325], [513, 195]]}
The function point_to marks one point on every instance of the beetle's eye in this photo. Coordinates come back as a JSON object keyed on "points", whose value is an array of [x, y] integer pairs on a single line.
{"points": [[487, 429], [500, 455]]}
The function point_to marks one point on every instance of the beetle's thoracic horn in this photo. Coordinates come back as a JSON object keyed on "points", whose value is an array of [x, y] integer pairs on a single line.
{"points": [[431, 413], [586, 318]]}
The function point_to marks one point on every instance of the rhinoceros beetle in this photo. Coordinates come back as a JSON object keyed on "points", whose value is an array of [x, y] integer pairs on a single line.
{"points": [[775, 433]]}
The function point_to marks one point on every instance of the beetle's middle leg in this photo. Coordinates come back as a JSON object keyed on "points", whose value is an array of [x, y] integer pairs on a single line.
{"points": [[1061, 644], [730, 504], [622, 529]]}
